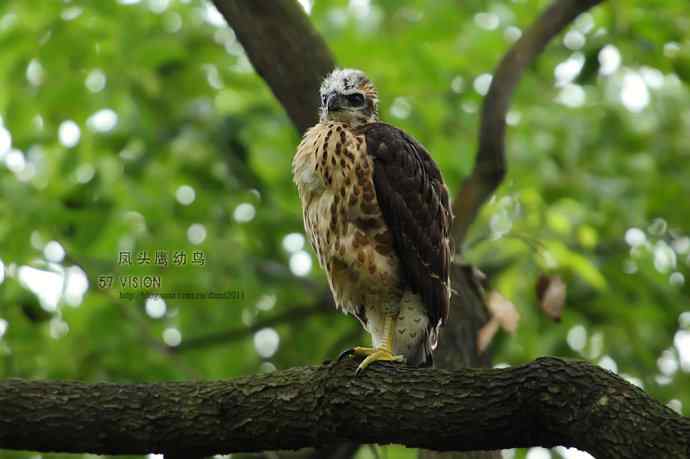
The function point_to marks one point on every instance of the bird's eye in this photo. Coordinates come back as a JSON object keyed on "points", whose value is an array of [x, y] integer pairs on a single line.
{"points": [[356, 99]]}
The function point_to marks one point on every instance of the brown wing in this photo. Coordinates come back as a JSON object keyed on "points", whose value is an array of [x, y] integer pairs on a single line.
{"points": [[414, 203]]}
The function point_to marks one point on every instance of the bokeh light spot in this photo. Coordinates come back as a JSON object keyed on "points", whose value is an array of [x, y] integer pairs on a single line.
{"points": [[293, 242], [155, 307], [172, 336], [69, 133], [244, 213], [196, 233], [300, 263], [185, 195], [266, 342]]}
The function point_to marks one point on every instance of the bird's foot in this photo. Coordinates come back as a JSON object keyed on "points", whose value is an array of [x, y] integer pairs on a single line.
{"points": [[371, 355]]}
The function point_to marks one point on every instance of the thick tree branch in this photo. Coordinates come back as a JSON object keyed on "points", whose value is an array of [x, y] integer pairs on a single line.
{"points": [[490, 164], [285, 50], [547, 402]]}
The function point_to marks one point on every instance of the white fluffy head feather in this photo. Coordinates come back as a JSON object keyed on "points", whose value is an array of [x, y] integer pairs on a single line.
{"points": [[339, 87]]}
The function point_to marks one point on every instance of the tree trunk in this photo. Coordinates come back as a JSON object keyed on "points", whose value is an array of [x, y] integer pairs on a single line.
{"points": [[285, 50]]}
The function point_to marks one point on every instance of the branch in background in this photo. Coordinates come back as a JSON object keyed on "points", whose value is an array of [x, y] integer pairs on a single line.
{"points": [[490, 164], [458, 343], [545, 403], [291, 315], [285, 50]]}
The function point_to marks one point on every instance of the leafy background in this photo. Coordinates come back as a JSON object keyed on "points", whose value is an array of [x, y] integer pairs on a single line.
{"points": [[139, 125]]}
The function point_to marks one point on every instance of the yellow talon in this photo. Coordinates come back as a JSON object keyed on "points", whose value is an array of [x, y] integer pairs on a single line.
{"points": [[372, 355], [365, 351], [378, 355], [381, 354]]}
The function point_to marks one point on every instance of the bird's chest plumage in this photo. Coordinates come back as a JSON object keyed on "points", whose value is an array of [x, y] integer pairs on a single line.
{"points": [[334, 177]]}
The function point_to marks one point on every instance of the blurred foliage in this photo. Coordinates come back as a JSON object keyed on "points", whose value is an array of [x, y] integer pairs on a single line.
{"points": [[116, 114]]}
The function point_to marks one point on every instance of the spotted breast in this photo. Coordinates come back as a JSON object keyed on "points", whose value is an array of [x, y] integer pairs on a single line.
{"points": [[334, 177]]}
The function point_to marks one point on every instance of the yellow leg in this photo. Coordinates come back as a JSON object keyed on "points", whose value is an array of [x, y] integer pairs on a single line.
{"points": [[381, 354]]}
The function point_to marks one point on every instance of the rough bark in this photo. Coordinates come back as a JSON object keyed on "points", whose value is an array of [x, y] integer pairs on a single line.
{"points": [[285, 50], [547, 402]]}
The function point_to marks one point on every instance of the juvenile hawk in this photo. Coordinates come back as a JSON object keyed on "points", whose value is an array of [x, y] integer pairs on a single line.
{"points": [[376, 212]]}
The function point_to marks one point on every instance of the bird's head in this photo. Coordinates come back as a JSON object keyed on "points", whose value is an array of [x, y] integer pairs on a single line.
{"points": [[348, 96]]}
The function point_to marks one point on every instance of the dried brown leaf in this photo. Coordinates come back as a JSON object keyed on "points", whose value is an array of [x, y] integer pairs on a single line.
{"points": [[503, 310], [551, 293], [486, 334]]}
